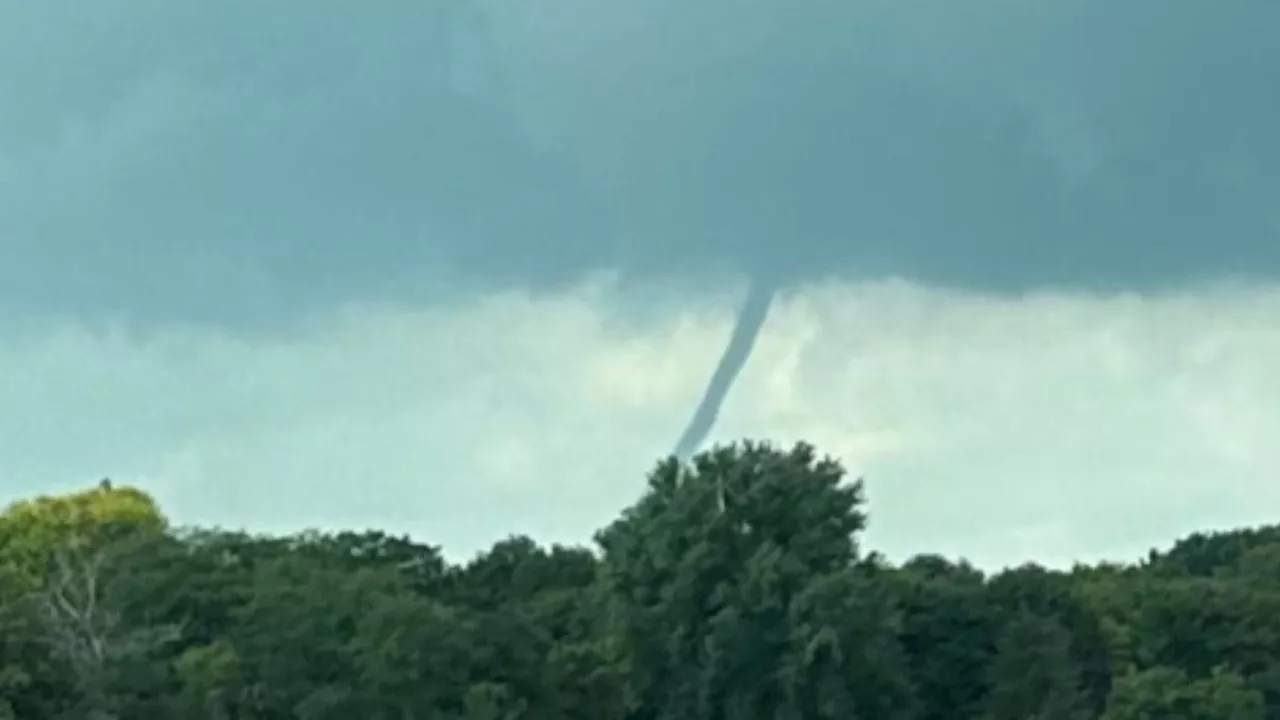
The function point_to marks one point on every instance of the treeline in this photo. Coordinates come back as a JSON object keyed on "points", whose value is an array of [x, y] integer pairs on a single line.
{"points": [[733, 589]]}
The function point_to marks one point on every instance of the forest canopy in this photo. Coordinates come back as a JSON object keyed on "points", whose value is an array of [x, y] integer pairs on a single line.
{"points": [[735, 587]]}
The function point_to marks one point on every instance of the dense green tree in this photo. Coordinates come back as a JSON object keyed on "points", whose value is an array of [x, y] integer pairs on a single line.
{"points": [[1164, 693], [1205, 554], [716, 568], [1033, 674], [948, 633], [1055, 608], [846, 658]]}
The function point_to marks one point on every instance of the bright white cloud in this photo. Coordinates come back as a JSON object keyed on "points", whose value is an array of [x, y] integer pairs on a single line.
{"points": [[1054, 426]]}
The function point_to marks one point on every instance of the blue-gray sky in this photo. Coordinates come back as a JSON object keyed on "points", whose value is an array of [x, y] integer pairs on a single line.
{"points": [[228, 228]]}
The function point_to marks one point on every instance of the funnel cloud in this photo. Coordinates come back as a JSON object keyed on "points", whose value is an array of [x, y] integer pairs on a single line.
{"points": [[751, 317]]}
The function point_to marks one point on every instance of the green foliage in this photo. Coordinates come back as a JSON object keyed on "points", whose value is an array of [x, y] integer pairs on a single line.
{"points": [[34, 532], [1161, 693], [734, 588], [708, 567]]}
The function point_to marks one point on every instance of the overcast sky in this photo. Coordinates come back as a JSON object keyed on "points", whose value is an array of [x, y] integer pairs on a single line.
{"points": [[463, 269]]}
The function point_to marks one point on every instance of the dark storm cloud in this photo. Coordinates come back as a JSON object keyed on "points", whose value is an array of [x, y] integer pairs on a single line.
{"points": [[997, 144], [232, 160]]}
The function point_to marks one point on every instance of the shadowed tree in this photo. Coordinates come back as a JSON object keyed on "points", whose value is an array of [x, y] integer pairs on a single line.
{"points": [[1163, 693], [718, 573]]}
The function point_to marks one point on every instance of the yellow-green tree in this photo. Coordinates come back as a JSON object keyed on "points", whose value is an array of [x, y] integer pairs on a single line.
{"points": [[35, 533], [62, 561]]}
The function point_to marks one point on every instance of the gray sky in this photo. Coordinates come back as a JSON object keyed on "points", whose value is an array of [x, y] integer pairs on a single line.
{"points": [[463, 269]]}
